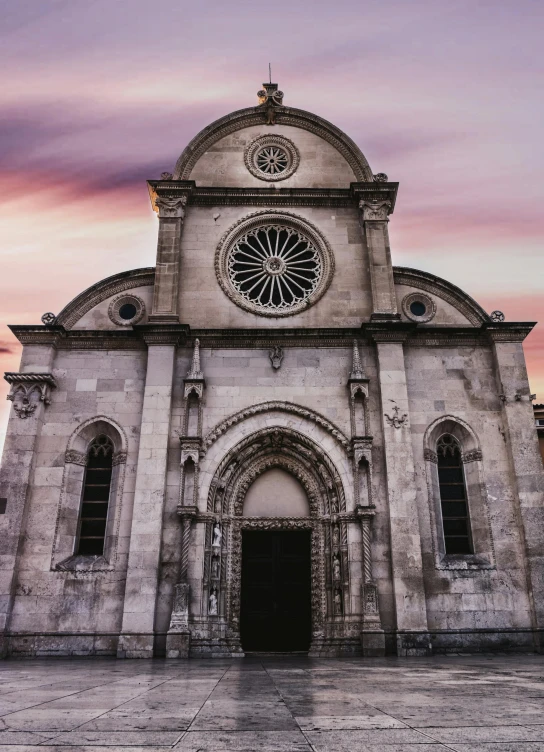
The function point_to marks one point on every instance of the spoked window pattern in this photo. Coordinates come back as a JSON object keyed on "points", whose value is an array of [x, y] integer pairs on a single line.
{"points": [[453, 496], [275, 267], [272, 160], [96, 495]]}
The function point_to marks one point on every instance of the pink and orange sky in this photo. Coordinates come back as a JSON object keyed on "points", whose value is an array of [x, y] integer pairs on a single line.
{"points": [[98, 96]]}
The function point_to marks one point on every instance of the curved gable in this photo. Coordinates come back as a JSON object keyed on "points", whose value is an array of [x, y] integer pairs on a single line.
{"points": [[407, 279], [102, 292], [285, 118]]}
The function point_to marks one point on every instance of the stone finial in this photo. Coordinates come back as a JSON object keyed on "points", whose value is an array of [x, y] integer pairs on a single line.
{"points": [[195, 372], [270, 94], [357, 371]]}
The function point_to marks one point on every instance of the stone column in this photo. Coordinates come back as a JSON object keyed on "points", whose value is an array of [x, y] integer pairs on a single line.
{"points": [[179, 635], [137, 637], [30, 394], [372, 635], [406, 560], [526, 462], [374, 215], [171, 210]]}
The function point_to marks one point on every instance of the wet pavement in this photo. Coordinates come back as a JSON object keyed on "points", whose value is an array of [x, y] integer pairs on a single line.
{"points": [[286, 704]]}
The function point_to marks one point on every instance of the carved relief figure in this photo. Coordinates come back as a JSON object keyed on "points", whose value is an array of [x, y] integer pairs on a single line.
{"points": [[217, 535], [215, 566], [212, 603], [336, 568], [337, 601]]}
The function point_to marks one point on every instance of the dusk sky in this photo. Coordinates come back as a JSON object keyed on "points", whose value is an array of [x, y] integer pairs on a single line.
{"points": [[98, 96]]}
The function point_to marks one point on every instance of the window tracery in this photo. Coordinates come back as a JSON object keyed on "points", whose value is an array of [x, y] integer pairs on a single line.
{"points": [[453, 496], [95, 498]]}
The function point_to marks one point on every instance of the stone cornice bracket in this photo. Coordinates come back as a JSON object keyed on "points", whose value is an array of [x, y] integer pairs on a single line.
{"points": [[194, 381], [508, 331], [376, 200], [28, 390], [38, 335], [168, 334], [389, 331], [170, 197]]}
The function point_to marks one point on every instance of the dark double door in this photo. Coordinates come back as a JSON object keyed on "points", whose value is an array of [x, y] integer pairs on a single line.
{"points": [[275, 607]]}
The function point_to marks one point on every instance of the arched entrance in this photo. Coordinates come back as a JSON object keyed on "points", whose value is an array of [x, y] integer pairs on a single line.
{"points": [[275, 603], [242, 502]]}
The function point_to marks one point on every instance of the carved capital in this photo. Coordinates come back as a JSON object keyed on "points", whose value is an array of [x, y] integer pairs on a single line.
{"points": [[430, 456], [375, 209], [119, 458], [28, 390], [473, 456], [169, 207], [75, 458], [187, 512], [365, 513]]}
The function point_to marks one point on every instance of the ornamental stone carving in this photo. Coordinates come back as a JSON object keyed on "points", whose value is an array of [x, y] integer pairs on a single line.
{"points": [[265, 407], [276, 357], [271, 158], [48, 319], [75, 458], [375, 209], [28, 390], [257, 263], [171, 207], [394, 420]]}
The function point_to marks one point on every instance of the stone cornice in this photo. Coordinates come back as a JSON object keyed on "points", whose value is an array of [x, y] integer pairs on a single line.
{"points": [[270, 195], [413, 334]]}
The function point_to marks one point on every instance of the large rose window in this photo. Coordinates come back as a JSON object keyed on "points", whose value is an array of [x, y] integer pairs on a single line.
{"points": [[274, 264]]}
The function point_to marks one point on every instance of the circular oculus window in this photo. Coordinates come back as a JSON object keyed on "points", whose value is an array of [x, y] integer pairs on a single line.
{"points": [[418, 307], [274, 264], [271, 158], [126, 310]]}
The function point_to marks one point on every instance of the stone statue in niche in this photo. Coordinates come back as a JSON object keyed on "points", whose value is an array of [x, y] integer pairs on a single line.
{"points": [[335, 536], [217, 535], [334, 502], [215, 566], [337, 601], [212, 603], [336, 568], [218, 499]]}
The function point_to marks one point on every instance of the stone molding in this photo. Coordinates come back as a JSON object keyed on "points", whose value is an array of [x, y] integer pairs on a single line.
{"points": [[414, 297], [118, 302], [291, 116], [103, 290], [286, 407], [253, 221]]}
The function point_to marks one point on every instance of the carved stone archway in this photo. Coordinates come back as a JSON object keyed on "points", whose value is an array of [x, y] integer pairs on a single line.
{"points": [[334, 629]]}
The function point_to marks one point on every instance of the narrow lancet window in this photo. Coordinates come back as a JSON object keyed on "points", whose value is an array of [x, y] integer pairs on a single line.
{"points": [[453, 496], [96, 495]]}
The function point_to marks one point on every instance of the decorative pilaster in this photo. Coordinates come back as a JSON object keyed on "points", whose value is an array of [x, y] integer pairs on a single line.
{"points": [[406, 559], [30, 394], [170, 207], [375, 205], [141, 590], [526, 462]]}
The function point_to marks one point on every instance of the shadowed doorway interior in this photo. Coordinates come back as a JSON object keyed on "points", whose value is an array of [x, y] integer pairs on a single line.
{"points": [[275, 607]]}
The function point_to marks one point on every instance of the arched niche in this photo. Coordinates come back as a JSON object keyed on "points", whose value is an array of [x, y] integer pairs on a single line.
{"points": [[276, 493]]}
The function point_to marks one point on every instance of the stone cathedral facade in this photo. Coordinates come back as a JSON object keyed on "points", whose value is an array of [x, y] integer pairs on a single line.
{"points": [[274, 439]]}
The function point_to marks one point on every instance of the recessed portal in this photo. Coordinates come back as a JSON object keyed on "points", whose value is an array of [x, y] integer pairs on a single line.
{"points": [[275, 607]]}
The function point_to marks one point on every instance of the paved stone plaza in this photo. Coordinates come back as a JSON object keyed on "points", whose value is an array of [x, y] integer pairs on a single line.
{"points": [[295, 704]]}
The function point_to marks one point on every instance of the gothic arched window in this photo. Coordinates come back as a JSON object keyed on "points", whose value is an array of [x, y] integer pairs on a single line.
{"points": [[453, 496], [96, 496]]}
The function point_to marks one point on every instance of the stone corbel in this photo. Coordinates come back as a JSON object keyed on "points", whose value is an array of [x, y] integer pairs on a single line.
{"points": [[375, 209], [28, 390]]}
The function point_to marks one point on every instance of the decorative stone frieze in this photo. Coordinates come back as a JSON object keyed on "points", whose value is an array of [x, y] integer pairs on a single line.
{"points": [[28, 390]]}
